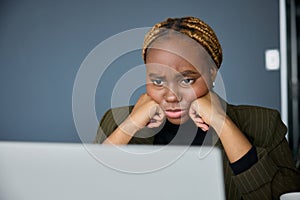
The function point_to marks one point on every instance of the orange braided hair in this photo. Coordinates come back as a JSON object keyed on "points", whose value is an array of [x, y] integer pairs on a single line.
{"points": [[192, 27]]}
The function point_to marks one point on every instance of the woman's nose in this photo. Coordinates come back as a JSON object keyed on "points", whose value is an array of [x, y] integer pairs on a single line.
{"points": [[172, 94]]}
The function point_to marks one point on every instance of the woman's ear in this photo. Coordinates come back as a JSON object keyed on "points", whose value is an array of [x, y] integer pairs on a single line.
{"points": [[213, 73]]}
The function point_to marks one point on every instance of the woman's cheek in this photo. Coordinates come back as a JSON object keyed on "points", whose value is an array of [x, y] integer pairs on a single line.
{"points": [[154, 94], [200, 91]]}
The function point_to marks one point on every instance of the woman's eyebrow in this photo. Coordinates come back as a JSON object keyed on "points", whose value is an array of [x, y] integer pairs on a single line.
{"points": [[188, 73], [153, 75]]}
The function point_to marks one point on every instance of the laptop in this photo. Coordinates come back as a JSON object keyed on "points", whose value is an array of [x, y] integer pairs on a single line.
{"points": [[62, 171]]}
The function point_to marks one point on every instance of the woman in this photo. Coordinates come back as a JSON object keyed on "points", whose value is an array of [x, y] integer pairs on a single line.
{"points": [[182, 57]]}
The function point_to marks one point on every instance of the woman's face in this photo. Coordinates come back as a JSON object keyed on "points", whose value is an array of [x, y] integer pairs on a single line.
{"points": [[172, 81]]}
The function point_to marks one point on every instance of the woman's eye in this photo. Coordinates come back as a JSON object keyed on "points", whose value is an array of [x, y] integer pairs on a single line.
{"points": [[157, 82], [187, 81]]}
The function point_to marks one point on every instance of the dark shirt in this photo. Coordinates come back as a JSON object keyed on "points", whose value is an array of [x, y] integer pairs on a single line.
{"points": [[188, 134], [184, 134]]}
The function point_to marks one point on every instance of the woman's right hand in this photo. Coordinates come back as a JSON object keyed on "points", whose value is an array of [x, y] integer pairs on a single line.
{"points": [[147, 112]]}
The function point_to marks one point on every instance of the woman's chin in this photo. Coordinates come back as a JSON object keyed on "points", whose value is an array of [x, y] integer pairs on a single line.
{"points": [[178, 121]]}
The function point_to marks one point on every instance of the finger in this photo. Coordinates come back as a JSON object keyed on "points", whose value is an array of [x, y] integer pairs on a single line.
{"points": [[154, 124], [198, 120], [203, 126], [151, 125], [194, 109], [158, 117], [160, 112]]}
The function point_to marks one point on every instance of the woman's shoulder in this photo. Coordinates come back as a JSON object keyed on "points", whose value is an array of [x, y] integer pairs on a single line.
{"points": [[261, 124], [110, 121], [116, 115], [248, 111]]}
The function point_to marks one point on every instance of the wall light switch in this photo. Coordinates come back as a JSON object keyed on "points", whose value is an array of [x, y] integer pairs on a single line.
{"points": [[272, 58]]}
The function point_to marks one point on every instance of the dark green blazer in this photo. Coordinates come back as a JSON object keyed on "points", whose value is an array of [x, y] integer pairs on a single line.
{"points": [[274, 173]]}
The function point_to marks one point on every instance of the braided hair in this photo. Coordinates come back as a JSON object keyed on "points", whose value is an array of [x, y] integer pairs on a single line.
{"points": [[192, 27]]}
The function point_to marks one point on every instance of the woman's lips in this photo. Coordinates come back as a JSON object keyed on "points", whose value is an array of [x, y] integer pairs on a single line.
{"points": [[177, 113]]}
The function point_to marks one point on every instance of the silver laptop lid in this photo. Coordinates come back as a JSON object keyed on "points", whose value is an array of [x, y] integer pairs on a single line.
{"points": [[35, 171]]}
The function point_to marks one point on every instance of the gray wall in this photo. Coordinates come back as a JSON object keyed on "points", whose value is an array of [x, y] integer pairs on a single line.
{"points": [[43, 43]]}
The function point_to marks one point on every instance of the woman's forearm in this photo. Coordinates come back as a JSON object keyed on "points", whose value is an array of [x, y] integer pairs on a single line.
{"points": [[123, 134], [235, 144]]}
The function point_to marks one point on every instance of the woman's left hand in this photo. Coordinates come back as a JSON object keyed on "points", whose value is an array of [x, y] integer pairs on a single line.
{"points": [[207, 111]]}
